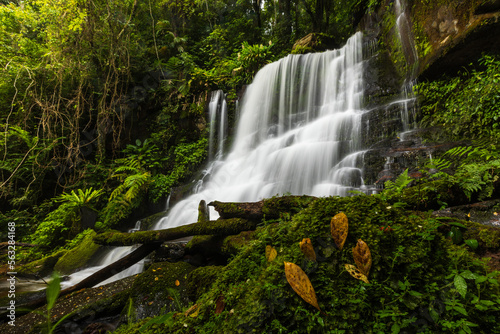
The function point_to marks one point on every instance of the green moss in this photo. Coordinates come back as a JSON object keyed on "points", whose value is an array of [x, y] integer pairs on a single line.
{"points": [[489, 236], [78, 256], [413, 266], [276, 207], [42, 267], [201, 280], [161, 289], [214, 227]]}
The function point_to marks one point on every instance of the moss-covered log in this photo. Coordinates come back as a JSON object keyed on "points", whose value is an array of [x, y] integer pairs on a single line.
{"points": [[269, 208], [102, 274], [215, 227]]}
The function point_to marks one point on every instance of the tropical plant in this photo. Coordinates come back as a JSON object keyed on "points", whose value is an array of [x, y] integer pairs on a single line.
{"points": [[59, 225], [476, 168], [129, 194], [80, 198], [470, 97], [52, 292], [393, 191]]}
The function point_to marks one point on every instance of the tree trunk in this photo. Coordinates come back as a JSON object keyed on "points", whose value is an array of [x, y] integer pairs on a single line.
{"points": [[102, 274], [214, 227]]}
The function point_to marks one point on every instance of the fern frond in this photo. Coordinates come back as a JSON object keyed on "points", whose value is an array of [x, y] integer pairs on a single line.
{"points": [[440, 163], [458, 151], [403, 180]]}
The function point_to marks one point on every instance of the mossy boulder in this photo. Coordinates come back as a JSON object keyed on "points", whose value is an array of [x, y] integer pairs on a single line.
{"points": [[78, 256], [314, 42], [42, 267], [201, 280], [162, 288], [413, 272]]}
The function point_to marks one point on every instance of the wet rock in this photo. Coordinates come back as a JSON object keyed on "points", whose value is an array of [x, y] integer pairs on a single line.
{"points": [[162, 288], [314, 42]]}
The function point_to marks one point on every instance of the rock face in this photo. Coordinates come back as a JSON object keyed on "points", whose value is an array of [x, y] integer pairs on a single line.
{"points": [[458, 32], [412, 41], [314, 42]]}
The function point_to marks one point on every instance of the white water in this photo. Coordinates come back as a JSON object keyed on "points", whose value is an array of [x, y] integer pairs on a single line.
{"points": [[217, 114], [411, 56], [299, 132]]}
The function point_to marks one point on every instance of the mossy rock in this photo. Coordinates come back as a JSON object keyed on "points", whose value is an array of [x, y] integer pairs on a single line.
{"points": [[276, 207], [314, 42], [148, 222], [78, 256], [413, 269], [162, 288], [201, 280], [42, 267]]}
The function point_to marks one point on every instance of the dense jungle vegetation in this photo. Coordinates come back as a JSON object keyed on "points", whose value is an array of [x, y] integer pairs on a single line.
{"points": [[102, 114], [101, 103]]}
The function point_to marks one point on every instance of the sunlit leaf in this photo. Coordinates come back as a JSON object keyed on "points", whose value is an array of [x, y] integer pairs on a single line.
{"points": [[354, 272], [270, 253], [339, 228], [472, 243], [307, 248], [362, 257], [300, 283], [192, 311]]}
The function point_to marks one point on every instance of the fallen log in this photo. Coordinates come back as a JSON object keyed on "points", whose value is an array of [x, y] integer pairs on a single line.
{"points": [[213, 227], [270, 208], [103, 274], [5, 244]]}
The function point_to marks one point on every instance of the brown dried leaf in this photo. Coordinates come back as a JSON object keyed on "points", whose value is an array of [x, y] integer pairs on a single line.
{"points": [[356, 273], [300, 283], [307, 248], [220, 304], [339, 227], [362, 257], [270, 253], [192, 311]]}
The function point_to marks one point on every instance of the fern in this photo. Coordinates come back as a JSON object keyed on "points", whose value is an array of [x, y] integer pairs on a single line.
{"points": [[129, 194], [81, 198]]}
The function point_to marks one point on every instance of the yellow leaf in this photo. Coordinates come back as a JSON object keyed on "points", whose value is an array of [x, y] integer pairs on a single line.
{"points": [[339, 227], [307, 248], [354, 272], [362, 257], [192, 311], [270, 253], [300, 283]]}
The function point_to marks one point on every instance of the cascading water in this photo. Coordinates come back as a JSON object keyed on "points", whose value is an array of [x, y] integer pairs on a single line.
{"points": [[409, 50], [217, 114], [299, 132]]}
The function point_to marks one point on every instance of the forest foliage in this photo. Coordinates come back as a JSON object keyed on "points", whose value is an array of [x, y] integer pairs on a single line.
{"points": [[110, 95]]}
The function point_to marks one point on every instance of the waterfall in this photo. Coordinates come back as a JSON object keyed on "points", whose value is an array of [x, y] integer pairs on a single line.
{"points": [[217, 115], [409, 50], [299, 132]]}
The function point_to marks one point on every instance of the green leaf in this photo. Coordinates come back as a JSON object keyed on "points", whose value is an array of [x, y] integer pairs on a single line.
{"points": [[461, 310], [467, 274], [472, 243], [53, 290], [481, 279], [395, 329], [460, 285]]}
